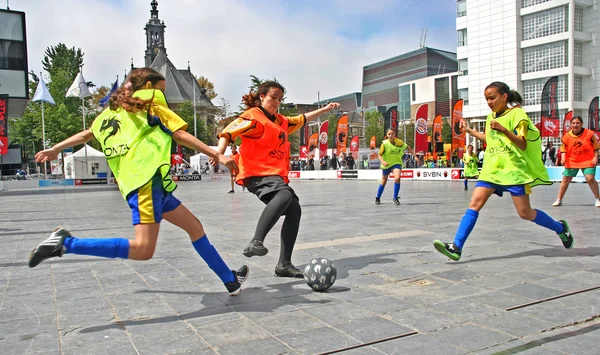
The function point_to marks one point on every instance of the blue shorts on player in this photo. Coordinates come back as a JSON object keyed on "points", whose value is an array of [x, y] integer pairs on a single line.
{"points": [[387, 171], [149, 202], [515, 190]]}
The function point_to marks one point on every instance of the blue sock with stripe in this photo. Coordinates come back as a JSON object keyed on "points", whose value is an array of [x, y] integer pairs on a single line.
{"points": [[542, 219], [380, 190], [396, 189], [465, 227], [104, 247], [212, 258]]}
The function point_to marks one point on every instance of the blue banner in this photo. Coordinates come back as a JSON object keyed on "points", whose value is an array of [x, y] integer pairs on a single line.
{"points": [[58, 182]]}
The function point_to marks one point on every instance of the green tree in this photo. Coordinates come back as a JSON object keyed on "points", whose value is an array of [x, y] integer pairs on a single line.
{"points": [[374, 122], [207, 85], [60, 57], [333, 121], [446, 131], [186, 112], [410, 134]]}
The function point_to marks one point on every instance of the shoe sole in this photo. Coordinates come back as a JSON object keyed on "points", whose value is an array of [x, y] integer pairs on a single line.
{"points": [[250, 253], [441, 247]]}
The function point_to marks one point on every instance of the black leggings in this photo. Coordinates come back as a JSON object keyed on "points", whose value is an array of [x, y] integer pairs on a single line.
{"points": [[280, 203]]}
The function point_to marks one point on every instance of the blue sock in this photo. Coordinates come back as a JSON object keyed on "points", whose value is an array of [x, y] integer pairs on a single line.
{"points": [[542, 219], [396, 189], [465, 227], [105, 247], [466, 183], [212, 258], [380, 190]]}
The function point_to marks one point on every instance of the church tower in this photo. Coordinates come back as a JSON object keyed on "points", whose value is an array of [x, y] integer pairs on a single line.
{"points": [[155, 35]]}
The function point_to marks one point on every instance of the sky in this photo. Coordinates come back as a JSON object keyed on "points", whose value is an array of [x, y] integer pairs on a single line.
{"points": [[310, 46]]}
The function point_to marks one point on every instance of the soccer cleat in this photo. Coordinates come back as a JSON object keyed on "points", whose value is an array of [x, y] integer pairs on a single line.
{"points": [[466, 188], [241, 275], [557, 203], [597, 203], [377, 201], [566, 236], [231, 191], [447, 249], [49, 248], [396, 201], [255, 248], [288, 270]]}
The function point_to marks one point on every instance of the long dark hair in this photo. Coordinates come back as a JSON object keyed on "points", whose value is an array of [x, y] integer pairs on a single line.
{"points": [[514, 98], [252, 99], [135, 81]]}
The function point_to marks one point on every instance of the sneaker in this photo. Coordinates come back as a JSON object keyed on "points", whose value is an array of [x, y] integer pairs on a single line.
{"points": [[396, 201], [466, 188], [448, 249], [255, 248], [566, 236], [557, 203], [597, 204], [288, 270], [241, 275], [49, 248], [231, 191], [377, 201]]}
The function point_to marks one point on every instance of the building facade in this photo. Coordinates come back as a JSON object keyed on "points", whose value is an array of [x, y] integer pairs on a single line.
{"points": [[523, 43]]}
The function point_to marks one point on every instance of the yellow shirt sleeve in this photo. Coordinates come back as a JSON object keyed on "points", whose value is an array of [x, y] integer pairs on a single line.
{"points": [[242, 127], [295, 123], [522, 128], [399, 142], [382, 149], [169, 119]]}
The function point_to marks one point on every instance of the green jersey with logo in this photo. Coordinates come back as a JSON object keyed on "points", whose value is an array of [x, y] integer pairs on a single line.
{"points": [[470, 161], [392, 152], [137, 145], [504, 163]]}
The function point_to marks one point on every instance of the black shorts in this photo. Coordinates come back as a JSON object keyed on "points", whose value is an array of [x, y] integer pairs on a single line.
{"points": [[265, 187]]}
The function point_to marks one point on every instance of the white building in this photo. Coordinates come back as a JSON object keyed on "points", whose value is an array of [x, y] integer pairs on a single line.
{"points": [[523, 43]]}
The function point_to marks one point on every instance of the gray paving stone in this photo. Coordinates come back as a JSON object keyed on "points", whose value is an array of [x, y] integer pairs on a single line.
{"points": [[166, 342], [515, 324], [261, 346], [471, 337], [371, 328], [418, 344], [288, 322], [534, 292], [338, 313], [318, 340], [422, 319], [220, 333]]}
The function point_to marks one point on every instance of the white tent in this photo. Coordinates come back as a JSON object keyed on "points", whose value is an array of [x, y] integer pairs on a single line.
{"points": [[75, 164], [198, 161]]}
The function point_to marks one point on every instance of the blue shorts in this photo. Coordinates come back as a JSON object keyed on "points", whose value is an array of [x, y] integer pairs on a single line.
{"points": [[515, 190], [386, 172], [149, 202]]}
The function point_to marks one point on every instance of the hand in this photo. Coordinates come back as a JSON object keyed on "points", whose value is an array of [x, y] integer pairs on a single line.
{"points": [[463, 125], [384, 163], [212, 161], [46, 155], [230, 164], [495, 125], [332, 106], [595, 161]]}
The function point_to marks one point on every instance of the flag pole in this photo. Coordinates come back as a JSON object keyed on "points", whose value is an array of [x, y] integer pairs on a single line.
{"points": [[44, 140], [84, 144]]}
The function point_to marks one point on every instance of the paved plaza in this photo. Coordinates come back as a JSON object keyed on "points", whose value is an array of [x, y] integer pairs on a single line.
{"points": [[390, 279]]}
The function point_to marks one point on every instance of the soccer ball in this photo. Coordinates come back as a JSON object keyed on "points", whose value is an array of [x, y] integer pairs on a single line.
{"points": [[320, 274]]}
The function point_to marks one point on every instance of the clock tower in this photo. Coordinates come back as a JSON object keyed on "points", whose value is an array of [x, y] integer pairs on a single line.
{"points": [[155, 35]]}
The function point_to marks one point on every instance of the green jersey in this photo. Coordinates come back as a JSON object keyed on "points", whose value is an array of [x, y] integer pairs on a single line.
{"points": [[392, 152], [504, 163], [470, 161]]}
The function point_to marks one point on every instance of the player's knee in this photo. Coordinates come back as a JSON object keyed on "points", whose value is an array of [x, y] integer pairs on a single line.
{"points": [[141, 251], [590, 179], [527, 214]]}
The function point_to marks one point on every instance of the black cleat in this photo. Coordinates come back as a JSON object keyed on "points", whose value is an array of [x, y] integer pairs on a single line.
{"points": [[377, 201], [448, 249], [49, 248], [397, 201], [231, 192], [241, 275], [255, 248], [288, 270]]}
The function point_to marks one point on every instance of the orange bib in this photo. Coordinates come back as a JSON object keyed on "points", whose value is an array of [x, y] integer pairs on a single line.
{"points": [[579, 149]]}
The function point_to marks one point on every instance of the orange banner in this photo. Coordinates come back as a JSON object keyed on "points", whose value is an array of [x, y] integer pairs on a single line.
{"points": [[313, 143], [373, 143], [459, 140], [341, 134], [437, 134]]}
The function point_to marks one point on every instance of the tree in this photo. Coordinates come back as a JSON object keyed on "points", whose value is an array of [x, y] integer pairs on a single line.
{"points": [[446, 131], [60, 57], [223, 109], [410, 134], [374, 122], [208, 86], [186, 112]]}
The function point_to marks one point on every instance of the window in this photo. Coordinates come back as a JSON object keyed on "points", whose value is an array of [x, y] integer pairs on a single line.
{"points": [[578, 55], [578, 19], [532, 90], [464, 94], [461, 8], [414, 92], [544, 57], [545, 23], [463, 67], [578, 88], [527, 3], [404, 103], [462, 37]]}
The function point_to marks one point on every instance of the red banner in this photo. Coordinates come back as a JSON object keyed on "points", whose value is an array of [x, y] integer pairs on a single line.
{"points": [[341, 134], [437, 134], [313, 142], [176, 159], [303, 151], [421, 129], [549, 124], [567, 122], [323, 139], [354, 147], [459, 139], [3, 124]]}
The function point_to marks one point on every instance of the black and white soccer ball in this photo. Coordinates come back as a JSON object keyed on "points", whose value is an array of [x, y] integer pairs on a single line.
{"points": [[320, 274]]}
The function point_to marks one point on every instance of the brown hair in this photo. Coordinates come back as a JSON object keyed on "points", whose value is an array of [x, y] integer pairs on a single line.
{"points": [[577, 118], [252, 99], [135, 81], [514, 98]]}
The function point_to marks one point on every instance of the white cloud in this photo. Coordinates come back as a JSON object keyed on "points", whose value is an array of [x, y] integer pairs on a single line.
{"points": [[224, 40]]}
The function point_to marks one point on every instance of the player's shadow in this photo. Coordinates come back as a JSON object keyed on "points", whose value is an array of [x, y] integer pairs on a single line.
{"points": [[211, 308], [345, 265], [553, 252], [55, 261]]}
